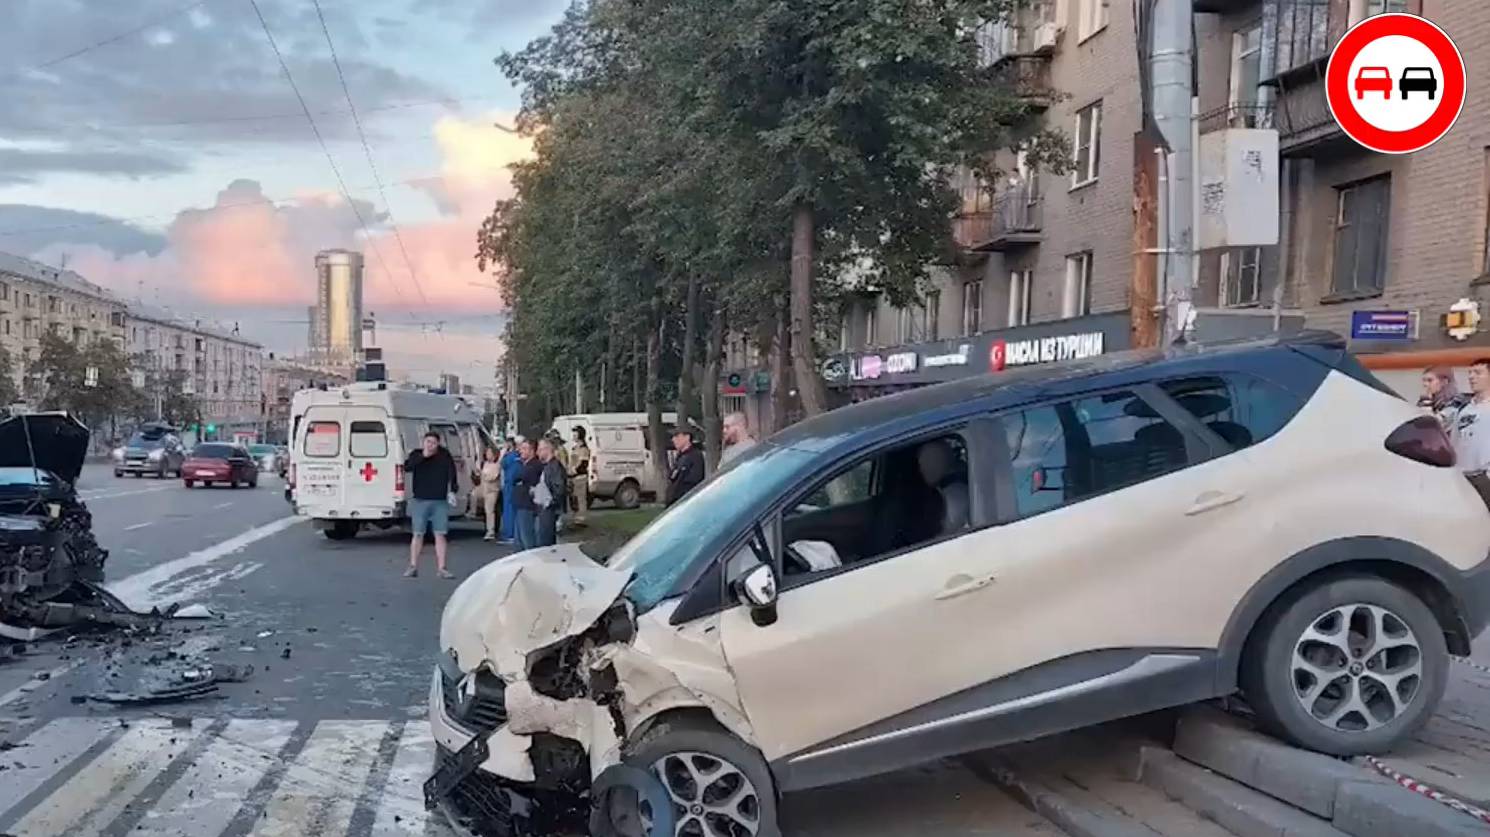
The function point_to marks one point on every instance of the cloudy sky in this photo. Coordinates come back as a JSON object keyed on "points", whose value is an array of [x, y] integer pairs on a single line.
{"points": [[156, 147]]}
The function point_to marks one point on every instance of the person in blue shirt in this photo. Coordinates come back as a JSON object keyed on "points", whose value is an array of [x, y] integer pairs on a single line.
{"points": [[512, 465]]}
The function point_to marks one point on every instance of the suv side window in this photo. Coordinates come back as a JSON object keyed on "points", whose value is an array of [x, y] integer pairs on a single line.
{"points": [[884, 504], [1241, 409], [1067, 452]]}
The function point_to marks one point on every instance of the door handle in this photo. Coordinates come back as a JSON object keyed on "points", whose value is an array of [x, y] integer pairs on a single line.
{"points": [[961, 585], [1212, 500]]}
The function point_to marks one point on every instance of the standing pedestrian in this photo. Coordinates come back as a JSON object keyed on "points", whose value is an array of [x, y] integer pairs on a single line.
{"points": [[512, 465], [489, 490], [688, 466], [528, 478], [737, 438], [1472, 427], [1441, 396], [432, 470], [580, 484], [556, 440], [551, 494]]}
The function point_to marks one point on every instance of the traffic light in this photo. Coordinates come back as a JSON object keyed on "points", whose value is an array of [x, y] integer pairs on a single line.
{"points": [[211, 428]]}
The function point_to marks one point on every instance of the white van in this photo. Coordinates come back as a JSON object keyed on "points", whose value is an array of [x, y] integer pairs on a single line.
{"points": [[350, 443], [620, 453]]}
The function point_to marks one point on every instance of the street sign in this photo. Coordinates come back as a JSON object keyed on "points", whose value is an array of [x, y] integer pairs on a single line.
{"points": [[1382, 325], [1395, 83]]}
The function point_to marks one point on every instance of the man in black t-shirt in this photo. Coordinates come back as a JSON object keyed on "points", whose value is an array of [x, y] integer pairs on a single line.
{"points": [[431, 470]]}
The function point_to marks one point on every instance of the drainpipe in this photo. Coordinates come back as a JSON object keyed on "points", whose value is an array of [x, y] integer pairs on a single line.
{"points": [[1171, 73]]}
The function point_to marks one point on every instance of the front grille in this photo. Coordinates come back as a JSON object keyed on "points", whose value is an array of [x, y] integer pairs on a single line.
{"points": [[483, 712], [479, 801]]}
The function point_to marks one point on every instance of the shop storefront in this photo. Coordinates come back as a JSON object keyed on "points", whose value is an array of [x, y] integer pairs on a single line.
{"points": [[1397, 345], [855, 376]]}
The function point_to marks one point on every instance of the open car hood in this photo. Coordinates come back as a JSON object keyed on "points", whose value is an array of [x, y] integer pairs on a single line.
{"points": [[60, 442]]}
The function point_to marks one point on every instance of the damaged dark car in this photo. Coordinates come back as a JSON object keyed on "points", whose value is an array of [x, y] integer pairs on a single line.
{"points": [[50, 562]]}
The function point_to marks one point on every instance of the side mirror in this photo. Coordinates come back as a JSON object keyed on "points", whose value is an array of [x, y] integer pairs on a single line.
{"points": [[758, 589]]}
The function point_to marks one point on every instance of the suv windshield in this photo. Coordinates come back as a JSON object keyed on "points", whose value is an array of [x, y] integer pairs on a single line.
{"points": [[663, 552], [147, 440]]}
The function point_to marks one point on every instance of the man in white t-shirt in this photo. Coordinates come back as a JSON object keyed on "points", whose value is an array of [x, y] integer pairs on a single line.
{"points": [[1472, 427]]}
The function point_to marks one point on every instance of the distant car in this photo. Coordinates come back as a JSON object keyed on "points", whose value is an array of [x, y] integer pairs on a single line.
{"points": [[153, 449], [270, 459], [220, 462], [1420, 80], [1374, 80]]}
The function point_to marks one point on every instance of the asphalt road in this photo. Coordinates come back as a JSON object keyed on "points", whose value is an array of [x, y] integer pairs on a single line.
{"points": [[326, 736]]}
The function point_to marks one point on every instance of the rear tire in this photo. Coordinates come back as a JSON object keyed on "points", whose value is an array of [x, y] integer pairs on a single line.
{"points": [[206, 484], [118, 473], [341, 530], [190, 484], [628, 495], [722, 759], [1351, 666]]}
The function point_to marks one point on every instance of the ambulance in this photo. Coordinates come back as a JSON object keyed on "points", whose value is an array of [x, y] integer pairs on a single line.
{"points": [[349, 444]]}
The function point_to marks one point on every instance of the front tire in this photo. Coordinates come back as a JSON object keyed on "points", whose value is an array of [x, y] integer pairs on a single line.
{"points": [[1351, 666], [705, 768], [190, 484]]}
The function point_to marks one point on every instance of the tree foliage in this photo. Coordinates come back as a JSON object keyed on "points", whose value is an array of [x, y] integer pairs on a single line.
{"points": [[91, 382], [725, 147]]}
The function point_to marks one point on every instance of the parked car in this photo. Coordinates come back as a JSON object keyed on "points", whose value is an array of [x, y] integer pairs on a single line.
{"points": [[1419, 79], [981, 562], [271, 459], [153, 449], [220, 462], [1374, 80]]}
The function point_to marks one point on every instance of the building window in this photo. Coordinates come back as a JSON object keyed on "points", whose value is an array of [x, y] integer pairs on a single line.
{"points": [[933, 312], [870, 325], [1093, 17], [7, 328], [1241, 277], [30, 302], [1021, 283], [4, 291], [1088, 144], [1362, 9], [1077, 299], [905, 325], [972, 308], [1246, 75], [1361, 212]]}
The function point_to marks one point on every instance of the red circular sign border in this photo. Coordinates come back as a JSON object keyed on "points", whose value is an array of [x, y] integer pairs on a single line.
{"points": [[1338, 85]]}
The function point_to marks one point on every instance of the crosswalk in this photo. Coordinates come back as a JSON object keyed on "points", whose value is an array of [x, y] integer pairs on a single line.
{"points": [[161, 777]]}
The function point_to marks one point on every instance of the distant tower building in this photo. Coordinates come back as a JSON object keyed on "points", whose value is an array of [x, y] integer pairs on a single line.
{"points": [[337, 324]]}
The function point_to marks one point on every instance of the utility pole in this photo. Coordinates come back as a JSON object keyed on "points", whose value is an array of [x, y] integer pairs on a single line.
{"points": [[1171, 68]]}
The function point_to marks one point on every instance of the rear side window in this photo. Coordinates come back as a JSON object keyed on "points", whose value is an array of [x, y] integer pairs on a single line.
{"points": [[368, 438], [323, 439], [1065, 453], [1241, 409]]}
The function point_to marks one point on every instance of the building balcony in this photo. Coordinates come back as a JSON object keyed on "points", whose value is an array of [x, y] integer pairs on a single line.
{"points": [[1303, 119], [1014, 221], [1225, 7], [1028, 78], [1241, 115]]}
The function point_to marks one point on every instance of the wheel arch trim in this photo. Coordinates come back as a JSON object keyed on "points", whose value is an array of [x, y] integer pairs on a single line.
{"points": [[1339, 554]]}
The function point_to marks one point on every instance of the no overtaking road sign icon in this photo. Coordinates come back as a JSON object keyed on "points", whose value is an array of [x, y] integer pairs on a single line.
{"points": [[1395, 83]]}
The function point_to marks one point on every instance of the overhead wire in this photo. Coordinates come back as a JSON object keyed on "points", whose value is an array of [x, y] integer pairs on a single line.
{"points": [[335, 170], [367, 150], [112, 38]]}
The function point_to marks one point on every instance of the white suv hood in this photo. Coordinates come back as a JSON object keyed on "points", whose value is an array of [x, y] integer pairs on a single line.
{"points": [[529, 601]]}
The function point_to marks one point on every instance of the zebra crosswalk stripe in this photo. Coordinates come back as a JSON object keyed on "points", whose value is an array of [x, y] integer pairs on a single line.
{"points": [[91, 776]]}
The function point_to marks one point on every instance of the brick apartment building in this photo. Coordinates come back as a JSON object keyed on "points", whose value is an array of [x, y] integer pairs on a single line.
{"points": [[36, 299]]}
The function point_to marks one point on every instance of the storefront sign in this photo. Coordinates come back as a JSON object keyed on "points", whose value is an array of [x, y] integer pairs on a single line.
{"points": [[901, 362], [959, 358], [1381, 325], [1463, 319], [867, 368], [1003, 354]]}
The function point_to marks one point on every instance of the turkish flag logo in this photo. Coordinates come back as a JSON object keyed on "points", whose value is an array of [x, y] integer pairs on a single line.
{"points": [[998, 356]]}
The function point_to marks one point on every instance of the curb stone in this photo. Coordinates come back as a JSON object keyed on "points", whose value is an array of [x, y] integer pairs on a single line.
{"points": [[1076, 820]]}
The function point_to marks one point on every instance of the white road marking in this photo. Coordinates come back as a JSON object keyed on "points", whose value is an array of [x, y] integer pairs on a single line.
{"points": [[207, 796], [137, 590], [97, 794], [401, 810], [223, 505], [319, 791], [108, 494], [138, 526], [37, 682], [47, 752]]}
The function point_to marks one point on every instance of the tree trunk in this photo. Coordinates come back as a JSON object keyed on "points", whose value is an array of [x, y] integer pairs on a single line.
{"points": [[804, 364], [637, 363], [709, 386], [655, 430], [688, 375], [780, 358]]}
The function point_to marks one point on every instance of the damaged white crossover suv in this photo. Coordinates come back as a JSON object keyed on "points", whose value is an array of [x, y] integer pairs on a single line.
{"points": [[972, 564]]}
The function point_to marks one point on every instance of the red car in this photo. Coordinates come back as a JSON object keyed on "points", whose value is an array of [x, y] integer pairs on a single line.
{"points": [[220, 462], [1373, 80]]}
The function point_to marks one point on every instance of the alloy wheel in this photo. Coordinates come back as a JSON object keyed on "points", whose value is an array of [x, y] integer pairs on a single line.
{"points": [[711, 797], [1357, 667]]}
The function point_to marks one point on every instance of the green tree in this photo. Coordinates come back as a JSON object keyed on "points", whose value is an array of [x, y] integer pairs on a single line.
{"points": [[815, 134], [9, 394], [93, 383]]}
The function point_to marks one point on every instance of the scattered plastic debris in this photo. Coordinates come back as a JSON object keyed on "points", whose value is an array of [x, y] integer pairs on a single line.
{"points": [[196, 611], [264, 634]]}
